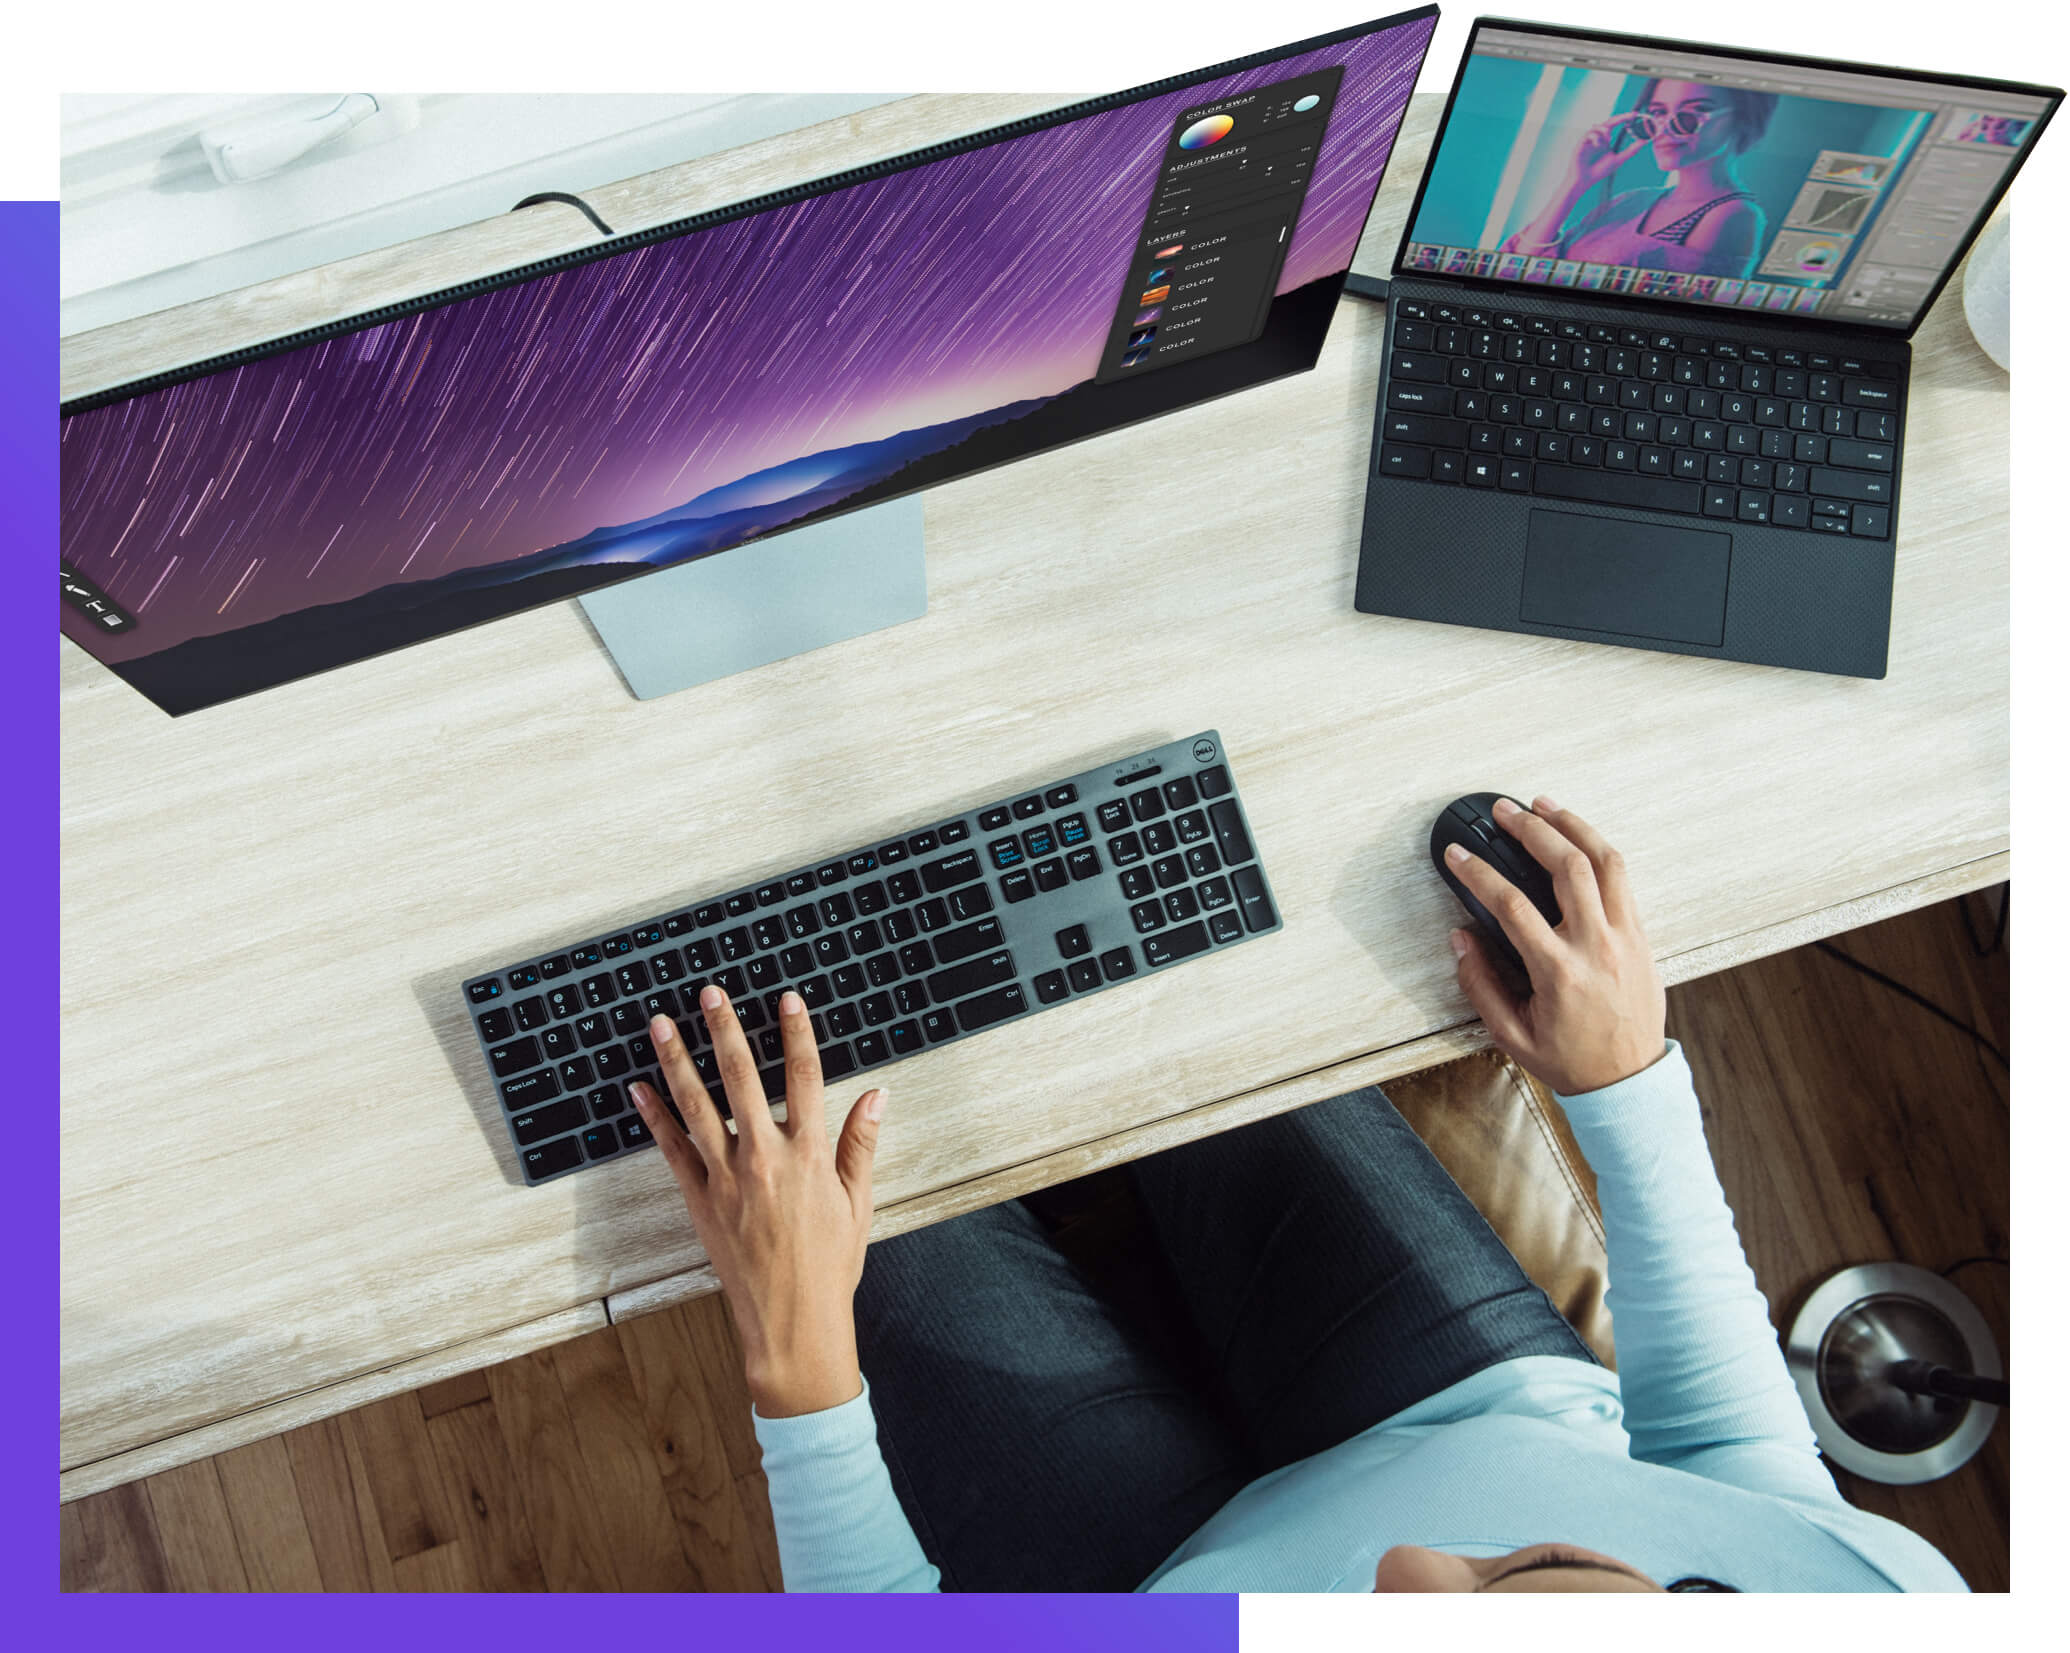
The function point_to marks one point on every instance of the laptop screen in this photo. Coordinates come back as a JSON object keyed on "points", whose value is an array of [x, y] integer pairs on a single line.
{"points": [[1652, 170]]}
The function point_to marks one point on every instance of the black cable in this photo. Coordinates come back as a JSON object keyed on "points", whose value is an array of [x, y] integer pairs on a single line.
{"points": [[1964, 1262], [1919, 999], [565, 200], [1998, 939]]}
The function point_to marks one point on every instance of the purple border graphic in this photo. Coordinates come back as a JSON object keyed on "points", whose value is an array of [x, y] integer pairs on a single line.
{"points": [[28, 471]]}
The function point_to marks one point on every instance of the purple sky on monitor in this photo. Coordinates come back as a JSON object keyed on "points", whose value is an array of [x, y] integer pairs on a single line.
{"points": [[471, 434]]}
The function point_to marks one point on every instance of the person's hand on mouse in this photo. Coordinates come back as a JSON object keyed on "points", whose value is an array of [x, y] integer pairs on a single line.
{"points": [[783, 1214], [1597, 1012]]}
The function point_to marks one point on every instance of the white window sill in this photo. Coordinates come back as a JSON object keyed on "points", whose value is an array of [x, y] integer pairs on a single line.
{"points": [[145, 225]]}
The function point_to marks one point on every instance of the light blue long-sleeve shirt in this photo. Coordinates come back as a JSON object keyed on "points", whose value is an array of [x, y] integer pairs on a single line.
{"points": [[1694, 1457]]}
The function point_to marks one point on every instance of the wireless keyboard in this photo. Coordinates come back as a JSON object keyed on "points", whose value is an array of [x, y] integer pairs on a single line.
{"points": [[896, 947]]}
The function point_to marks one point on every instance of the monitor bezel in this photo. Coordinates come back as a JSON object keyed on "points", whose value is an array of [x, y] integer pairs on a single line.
{"points": [[789, 195], [1721, 312]]}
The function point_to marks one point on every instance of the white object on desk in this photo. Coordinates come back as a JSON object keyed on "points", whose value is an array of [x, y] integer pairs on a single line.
{"points": [[1987, 290]]}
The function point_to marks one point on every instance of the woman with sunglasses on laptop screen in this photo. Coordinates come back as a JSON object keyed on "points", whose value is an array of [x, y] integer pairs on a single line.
{"points": [[1367, 1392], [1702, 221]]}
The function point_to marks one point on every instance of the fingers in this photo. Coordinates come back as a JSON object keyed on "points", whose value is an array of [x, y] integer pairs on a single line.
{"points": [[700, 1114], [1523, 923], [1573, 875], [855, 1155], [1489, 995], [685, 1160], [1611, 879], [804, 1093], [737, 1071]]}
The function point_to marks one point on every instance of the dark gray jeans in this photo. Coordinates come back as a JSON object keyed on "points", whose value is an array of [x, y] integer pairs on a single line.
{"points": [[1327, 1272]]}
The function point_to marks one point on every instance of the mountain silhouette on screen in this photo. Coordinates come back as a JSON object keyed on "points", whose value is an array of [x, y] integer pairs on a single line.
{"points": [[203, 670]]}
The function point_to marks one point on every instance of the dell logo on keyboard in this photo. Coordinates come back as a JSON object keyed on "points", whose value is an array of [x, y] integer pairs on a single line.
{"points": [[1203, 750]]}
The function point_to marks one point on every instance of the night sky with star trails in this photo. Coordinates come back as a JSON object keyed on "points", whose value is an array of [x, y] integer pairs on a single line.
{"points": [[524, 418]]}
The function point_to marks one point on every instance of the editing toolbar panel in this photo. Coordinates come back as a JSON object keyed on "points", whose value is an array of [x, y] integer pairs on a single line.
{"points": [[83, 595], [1228, 194]]}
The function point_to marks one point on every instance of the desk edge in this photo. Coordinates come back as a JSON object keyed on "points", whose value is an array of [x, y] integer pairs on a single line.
{"points": [[314, 1405], [1373, 1068], [1243, 1108]]}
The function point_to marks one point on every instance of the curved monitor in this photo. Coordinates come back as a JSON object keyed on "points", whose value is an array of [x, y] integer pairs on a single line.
{"points": [[683, 391]]}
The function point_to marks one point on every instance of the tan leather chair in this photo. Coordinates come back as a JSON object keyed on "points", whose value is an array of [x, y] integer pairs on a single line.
{"points": [[1508, 1145]]}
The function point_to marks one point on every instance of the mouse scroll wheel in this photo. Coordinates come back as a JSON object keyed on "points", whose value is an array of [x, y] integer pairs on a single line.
{"points": [[1483, 831]]}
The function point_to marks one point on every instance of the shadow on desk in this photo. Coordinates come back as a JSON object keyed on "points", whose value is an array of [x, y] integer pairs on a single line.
{"points": [[437, 992], [437, 997], [625, 1221], [627, 1227], [1419, 903]]}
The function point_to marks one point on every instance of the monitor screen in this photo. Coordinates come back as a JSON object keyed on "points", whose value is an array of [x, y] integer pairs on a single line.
{"points": [[682, 392], [1658, 171]]}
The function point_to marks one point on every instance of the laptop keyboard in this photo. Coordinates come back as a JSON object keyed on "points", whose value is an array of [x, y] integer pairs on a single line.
{"points": [[896, 947], [1646, 419]]}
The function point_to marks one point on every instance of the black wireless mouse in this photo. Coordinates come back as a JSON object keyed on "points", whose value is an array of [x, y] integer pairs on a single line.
{"points": [[1471, 821]]}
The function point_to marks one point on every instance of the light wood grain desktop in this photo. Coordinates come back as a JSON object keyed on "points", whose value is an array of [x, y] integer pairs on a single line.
{"points": [[285, 1191]]}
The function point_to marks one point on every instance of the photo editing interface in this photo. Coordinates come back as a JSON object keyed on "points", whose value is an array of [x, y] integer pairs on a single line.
{"points": [[1663, 172], [254, 521], [1228, 195]]}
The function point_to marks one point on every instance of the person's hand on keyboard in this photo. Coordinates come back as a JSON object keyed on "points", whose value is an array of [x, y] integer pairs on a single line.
{"points": [[1597, 1012], [783, 1215]]}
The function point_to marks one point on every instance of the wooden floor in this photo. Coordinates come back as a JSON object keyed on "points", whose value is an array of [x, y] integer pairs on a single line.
{"points": [[1848, 1124]]}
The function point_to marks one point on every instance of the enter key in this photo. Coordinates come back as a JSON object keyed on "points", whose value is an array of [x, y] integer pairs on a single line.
{"points": [[1862, 456]]}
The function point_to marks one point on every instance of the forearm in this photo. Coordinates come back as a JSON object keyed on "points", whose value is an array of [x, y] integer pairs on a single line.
{"points": [[1697, 1358], [1541, 233], [838, 1522]]}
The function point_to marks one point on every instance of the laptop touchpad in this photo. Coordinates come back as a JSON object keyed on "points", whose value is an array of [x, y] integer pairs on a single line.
{"points": [[1642, 579]]}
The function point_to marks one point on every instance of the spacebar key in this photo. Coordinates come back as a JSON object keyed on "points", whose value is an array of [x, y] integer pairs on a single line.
{"points": [[988, 1008], [1641, 493]]}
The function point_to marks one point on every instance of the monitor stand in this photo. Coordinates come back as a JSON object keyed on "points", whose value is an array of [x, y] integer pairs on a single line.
{"points": [[767, 600]]}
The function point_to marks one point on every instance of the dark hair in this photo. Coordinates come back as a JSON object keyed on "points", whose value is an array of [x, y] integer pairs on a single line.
{"points": [[1751, 111]]}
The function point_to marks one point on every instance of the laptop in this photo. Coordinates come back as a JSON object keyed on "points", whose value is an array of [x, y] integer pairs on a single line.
{"points": [[1648, 341]]}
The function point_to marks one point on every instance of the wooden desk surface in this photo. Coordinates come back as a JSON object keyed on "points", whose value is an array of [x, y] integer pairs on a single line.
{"points": [[285, 1190]]}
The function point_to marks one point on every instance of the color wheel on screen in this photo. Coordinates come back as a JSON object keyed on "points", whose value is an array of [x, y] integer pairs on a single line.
{"points": [[1204, 132]]}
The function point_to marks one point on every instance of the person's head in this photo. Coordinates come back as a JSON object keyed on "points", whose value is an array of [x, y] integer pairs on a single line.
{"points": [[1691, 122], [1410, 1568]]}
